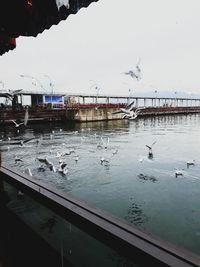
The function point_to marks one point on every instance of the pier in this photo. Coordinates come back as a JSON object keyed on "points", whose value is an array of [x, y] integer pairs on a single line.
{"points": [[88, 107]]}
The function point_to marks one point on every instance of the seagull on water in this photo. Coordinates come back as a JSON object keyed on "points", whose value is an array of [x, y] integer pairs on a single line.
{"points": [[190, 163], [179, 172], [104, 161], [150, 154], [76, 158], [17, 159], [47, 163], [63, 168]]}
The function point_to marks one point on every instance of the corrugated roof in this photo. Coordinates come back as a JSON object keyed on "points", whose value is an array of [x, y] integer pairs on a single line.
{"points": [[31, 17]]}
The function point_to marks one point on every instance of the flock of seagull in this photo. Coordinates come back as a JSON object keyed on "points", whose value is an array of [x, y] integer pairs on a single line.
{"points": [[129, 112], [61, 153]]}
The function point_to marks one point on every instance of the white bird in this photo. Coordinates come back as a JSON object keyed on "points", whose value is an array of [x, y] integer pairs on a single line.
{"points": [[11, 93], [65, 171], [103, 160], [17, 124], [133, 114], [47, 163], [76, 158], [63, 168], [26, 116], [190, 163], [125, 111], [150, 154], [17, 159], [136, 73], [115, 152], [179, 172], [61, 3]]}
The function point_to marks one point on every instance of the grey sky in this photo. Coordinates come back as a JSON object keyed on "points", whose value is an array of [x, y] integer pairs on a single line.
{"points": [[108, 38]]}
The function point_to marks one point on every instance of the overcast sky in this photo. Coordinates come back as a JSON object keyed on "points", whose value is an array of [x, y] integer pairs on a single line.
{"points": [[108, 38]]}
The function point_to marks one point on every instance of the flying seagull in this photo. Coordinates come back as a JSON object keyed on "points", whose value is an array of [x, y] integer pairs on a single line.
{"points": [[17, 124], [136, 74], [26, 116], [125, 110]]}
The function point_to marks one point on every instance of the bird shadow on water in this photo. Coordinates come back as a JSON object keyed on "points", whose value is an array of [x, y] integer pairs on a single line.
{"points": [[145, 177], [135, 214]]}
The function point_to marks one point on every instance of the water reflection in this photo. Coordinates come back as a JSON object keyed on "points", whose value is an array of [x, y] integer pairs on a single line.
{"points": [[145, 177], [130, 171]]}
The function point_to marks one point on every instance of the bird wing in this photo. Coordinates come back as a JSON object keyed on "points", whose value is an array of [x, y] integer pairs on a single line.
{"points": [[130, 106], [14, 122], [41, 160], [138, 110], [148, 146], [153, 143], [138, 69], [117, 112], [14, 92], [131, 73]]}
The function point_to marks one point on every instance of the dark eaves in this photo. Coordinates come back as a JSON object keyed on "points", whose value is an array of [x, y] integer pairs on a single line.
{"points": [[31, 17]]}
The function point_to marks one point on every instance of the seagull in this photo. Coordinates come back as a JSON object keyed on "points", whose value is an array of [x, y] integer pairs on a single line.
{"points": [[136, 73], [103, 160], [17, 159], [11, 93], [125, 110], [26, 116], [17, 124], [190, 163], [115, 152], [47, 163], [76, 158], [179, 172], [41, 168], [61, 3], [63, 168], [133, 114], [150, 155]]}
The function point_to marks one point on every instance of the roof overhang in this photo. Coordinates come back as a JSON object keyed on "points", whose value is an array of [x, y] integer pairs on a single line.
{"points": [[31, 17]]}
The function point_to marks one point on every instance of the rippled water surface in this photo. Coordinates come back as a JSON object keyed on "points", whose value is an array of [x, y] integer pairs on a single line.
{"points": [[129, 184]]}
